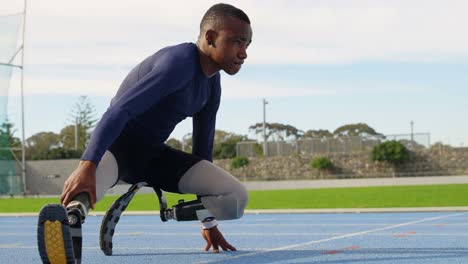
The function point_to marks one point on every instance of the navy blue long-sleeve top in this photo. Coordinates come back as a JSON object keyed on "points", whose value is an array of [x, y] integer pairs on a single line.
{"points": [[156, 95]]}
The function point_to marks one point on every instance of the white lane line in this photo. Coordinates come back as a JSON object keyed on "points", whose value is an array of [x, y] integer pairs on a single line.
{"points": [[297, 225], [196, 250], [332, 238], [10, 245], [144, 234]]}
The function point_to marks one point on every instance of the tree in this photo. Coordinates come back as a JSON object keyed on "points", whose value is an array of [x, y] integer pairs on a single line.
{"points": [[83, 113], [7, 132], [8, 140], [174, 143], [353, 130], [67, 136], [221, 135], [278, 131], [321, 133], [39, 144], [225, 144], [83, 117], [60, 153]]}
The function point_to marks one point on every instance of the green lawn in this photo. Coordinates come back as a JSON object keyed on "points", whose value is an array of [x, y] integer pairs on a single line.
{"points": [[362, 197]]}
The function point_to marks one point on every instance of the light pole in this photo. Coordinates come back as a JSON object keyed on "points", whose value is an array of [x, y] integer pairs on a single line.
{"points": [[412, 125], [76, 133], [23, 146], [265, 146]]}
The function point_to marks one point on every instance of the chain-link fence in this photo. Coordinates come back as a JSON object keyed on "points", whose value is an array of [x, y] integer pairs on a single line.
{"points": [[10, 180], [10, 25], [329, 145]]}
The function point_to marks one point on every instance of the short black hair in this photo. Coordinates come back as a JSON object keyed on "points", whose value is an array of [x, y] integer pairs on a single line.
{"points": [[214, 16]]}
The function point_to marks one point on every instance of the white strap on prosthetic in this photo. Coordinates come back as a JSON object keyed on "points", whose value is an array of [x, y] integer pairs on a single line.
{"points": [[209, 223], [223, 196]]}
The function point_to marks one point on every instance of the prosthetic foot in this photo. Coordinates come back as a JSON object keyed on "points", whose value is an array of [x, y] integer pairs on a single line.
{"points": [[112, 217], [59, 234], [53, 235], [183, 211], [59, 237]]}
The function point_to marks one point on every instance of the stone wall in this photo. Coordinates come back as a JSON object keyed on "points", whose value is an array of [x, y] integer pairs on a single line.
{"points": [[353, 165], [48, 176]]}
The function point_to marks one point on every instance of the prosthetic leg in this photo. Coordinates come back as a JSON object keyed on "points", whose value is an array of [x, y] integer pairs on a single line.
{"points": [[183, 211], [59, 237], [112, 217]]}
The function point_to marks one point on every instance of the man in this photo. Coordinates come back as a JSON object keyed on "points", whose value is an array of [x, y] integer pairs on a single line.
{"points": [[128, 143]]}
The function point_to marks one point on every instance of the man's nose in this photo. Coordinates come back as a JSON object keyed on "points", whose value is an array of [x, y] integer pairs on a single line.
{"points": [[243, 53]]}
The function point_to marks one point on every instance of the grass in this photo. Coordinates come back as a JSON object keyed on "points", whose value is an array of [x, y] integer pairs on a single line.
{"points": [[358, 197], [363, 197]]}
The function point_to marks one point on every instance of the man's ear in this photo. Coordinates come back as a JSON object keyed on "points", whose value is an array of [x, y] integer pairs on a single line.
{"points": [[210, 37]]}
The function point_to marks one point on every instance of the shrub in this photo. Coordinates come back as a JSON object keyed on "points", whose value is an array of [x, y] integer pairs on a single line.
{"points": [[391, 151], [58, 153], [321, 163], [238, 162], [225, 150]]}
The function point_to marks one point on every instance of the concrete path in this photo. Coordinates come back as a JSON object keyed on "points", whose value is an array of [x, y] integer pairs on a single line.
{"points": [[338, 183]]}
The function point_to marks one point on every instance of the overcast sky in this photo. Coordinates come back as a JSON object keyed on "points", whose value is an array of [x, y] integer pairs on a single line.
{"points": [[320, 64]]}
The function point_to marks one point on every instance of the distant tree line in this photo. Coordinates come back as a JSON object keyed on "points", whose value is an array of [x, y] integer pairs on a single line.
{"points": [[71, 141], [225, 142], [68, 144], [280, 132]]}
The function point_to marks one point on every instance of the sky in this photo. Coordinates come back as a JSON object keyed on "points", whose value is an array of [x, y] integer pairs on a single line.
{"points": [[319, 64]]}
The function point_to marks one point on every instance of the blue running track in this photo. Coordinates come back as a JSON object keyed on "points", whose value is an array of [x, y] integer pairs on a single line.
{"points": [[375, 238]]}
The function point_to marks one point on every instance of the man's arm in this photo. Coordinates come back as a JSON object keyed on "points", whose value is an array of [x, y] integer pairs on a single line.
{"points": [[204, 124], [83, 179], [166, 77], [203, 136]]}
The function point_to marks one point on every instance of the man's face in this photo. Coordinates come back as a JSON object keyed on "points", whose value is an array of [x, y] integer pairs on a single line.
{"points": [[231, 45]]}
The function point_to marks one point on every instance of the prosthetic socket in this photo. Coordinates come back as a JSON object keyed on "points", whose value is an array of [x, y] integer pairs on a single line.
{"points": [[183, 211]]}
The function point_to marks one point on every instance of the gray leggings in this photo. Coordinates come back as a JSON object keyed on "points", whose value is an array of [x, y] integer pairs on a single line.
{"points": [[222, 194]]}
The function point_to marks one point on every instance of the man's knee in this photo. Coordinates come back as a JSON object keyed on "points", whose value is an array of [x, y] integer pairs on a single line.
{"points": [[239, 202], [229, 206], [242, 199]]}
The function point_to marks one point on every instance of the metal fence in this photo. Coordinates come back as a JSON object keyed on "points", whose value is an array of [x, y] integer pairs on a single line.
{"points": [[329, 145]]}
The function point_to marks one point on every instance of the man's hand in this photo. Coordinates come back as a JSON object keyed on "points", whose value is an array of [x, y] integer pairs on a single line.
{"points": [[83, 179], [213, 237]]}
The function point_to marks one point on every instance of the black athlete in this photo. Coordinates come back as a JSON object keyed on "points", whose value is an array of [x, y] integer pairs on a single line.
{"points": [[128, 143]]}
